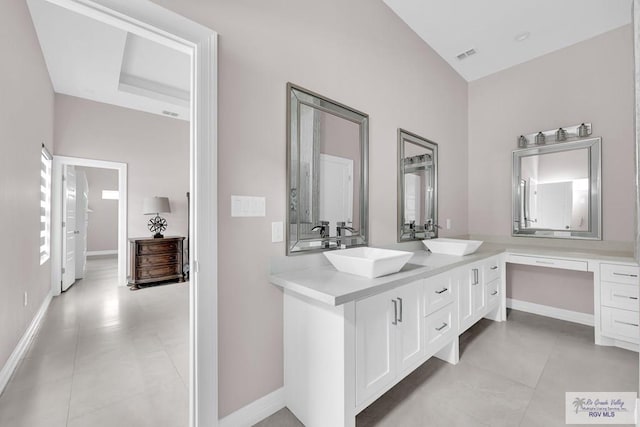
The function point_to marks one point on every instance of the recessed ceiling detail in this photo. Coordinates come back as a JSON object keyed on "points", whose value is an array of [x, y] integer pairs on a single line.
{"points": [[92, 60], [491, 26]]}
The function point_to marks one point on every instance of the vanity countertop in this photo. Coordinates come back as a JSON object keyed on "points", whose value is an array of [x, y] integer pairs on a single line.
{"points": [[325, 284]]}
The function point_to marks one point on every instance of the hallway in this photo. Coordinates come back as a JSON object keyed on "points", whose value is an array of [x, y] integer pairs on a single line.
{"points": [[105, 356]]}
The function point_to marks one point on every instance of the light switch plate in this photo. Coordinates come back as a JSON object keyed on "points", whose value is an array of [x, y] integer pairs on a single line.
{"points": [[277, 232], [448, 224], [248, 206]]}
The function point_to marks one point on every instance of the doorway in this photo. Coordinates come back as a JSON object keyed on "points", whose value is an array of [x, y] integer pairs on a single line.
{"points": [[64, 233], [155, 23]]}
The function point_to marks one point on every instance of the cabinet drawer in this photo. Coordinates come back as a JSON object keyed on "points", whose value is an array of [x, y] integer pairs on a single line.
{"points": [[493, 292], [619, 295], [567, 264], [154, 260], [439, 328], [438, 293], [157, 248], [621, 324], [157, 271], [492, 270], [619, 273]]}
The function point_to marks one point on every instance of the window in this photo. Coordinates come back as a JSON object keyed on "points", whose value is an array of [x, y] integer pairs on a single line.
{"points": [[110, 195], [45, 205]]}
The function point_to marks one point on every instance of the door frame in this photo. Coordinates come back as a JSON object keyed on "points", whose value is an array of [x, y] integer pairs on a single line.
{"points": [[57, 171], [149, 20]]}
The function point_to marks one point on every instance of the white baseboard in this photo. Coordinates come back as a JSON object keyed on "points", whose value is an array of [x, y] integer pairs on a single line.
{"points": [[102, 253], [255, 411], [553, 312], [23, 344]]}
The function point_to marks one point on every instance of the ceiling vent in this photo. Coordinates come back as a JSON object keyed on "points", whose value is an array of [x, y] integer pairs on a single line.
{"points": [[466, 54]]}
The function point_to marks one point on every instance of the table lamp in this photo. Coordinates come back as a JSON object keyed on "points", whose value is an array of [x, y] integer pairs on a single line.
{"points": [[155, 206]]}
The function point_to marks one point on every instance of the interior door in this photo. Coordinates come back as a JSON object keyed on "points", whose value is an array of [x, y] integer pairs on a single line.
{"points": [[69, 227], [82, 218], [336, 191]]}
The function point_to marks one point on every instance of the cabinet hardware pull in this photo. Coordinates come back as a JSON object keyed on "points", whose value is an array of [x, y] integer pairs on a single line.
{"points": [[400, 318], [626, 323], [395, 312], [495, 267], [444, 325], [443, 290], [545, 262], [475, 276], [624, 296], [625, 274], [494, 293]]}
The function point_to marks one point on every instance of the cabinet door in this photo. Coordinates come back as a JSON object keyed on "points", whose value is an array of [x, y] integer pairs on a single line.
{"points": [[465, 299], [479, 291], [376, 329], [410, 337]]}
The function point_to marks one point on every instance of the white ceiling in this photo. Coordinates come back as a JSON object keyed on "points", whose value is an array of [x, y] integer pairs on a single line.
{"points": [[491, 26], [92, 60]]}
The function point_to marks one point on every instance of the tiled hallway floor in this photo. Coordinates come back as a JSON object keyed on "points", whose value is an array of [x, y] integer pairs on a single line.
{"points": [[510, 374], [105, 356]]}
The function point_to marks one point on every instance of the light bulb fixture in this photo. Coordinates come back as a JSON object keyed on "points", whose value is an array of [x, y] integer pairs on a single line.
{"points": [[522, 141]]}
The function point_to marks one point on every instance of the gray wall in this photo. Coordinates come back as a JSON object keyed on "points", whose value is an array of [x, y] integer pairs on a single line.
{"points": [[26, 121], [102, 230], [590, 81], [155, 148], [358, 53]]}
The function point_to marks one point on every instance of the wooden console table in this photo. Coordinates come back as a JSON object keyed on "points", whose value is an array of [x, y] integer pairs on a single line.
{"points": [[155, 260]]}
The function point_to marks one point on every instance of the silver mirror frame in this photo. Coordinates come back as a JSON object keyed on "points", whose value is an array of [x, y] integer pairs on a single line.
{"points": [[595, 194], [297, 96], [403, 136]]}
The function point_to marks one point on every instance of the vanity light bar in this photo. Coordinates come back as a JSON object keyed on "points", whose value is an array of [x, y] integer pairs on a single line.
{"points": [[555, 136]]}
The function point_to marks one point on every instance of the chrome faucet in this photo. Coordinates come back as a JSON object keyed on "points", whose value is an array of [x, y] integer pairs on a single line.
{"points": [[430, 228], [412, 229], [341, 225], [324, 232]]}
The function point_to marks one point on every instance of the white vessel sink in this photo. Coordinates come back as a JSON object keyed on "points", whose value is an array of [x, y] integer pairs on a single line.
{"points": [[368, 262], [452, 246]]}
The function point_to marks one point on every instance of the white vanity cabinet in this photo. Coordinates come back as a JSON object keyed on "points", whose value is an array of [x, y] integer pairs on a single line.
{"points": [[348, 340], [619, 318], [389, 338], [480, 289]]}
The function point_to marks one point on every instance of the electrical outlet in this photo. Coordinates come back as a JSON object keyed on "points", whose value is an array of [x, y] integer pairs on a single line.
{"points": [[448, 224], [26, 299]]}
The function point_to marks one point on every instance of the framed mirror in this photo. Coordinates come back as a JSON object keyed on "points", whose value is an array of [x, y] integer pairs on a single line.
{"points": [[327, 181], [417, 187], [557, 191]]}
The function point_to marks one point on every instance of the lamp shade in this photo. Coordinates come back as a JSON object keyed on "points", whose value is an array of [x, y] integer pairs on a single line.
{"points": [[155, 205]]}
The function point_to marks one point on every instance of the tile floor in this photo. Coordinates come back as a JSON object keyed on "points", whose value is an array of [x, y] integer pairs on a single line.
{"points": [[513, 373], [105, 356]]}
